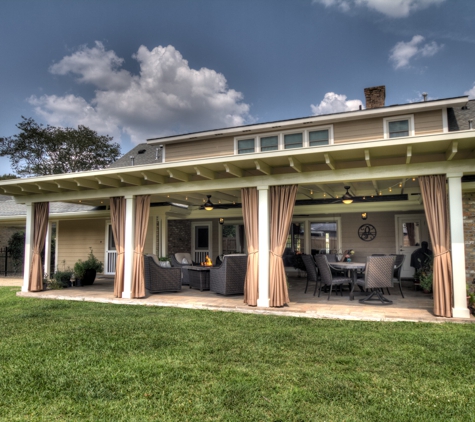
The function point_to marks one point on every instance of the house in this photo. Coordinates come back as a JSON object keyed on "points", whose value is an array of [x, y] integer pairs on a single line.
{"points": [[382, 160]]}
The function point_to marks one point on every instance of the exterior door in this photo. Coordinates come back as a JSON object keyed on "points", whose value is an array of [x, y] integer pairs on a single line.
{"points": [[201, 241], [411, 231]]}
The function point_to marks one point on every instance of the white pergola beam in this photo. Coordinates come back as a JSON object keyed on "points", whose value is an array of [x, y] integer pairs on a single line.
{"points": [[179, 175], [367, 157], [408, 155], [64, 184], [49, 187], [295, 164], [108, 181], [329, 161], [263, 167], [86, 183], [153, 177], [232, 169], [30, 188], [376, 187], [450, 153], [204, 172], [131, 180]]}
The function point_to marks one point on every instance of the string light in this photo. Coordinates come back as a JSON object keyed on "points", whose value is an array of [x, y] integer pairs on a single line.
{"points": [[311, 192]]}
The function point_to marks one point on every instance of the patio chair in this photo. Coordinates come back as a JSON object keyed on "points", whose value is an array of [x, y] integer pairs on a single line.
{"points": [[177, 260], [159, 279], [326, 276], [397, 270], [228, 278], [311, 268], [378, 275]]}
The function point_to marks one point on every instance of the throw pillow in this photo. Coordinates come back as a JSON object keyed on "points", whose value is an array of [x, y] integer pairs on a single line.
{"points": [[184, 261]]}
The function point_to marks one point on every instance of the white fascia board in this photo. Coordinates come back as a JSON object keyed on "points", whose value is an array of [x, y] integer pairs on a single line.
{"points": [[321, 119], [60, 216]]}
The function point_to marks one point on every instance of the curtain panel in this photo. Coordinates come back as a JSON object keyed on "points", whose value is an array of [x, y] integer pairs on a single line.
{"points": [[282, 202], [40, 226], [250, 213], [142, 212], [117, 211], [434, 196]]}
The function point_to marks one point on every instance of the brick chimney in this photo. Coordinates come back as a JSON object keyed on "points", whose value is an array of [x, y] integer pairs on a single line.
{"points": [[375, 96]]}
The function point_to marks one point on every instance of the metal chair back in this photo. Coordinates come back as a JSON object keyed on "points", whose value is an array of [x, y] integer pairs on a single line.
{"points": [[323, 268], [379, 272], [310, 267]]}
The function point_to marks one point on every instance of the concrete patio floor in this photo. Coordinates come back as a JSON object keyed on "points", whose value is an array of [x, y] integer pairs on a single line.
{"points": [[416, 306]]}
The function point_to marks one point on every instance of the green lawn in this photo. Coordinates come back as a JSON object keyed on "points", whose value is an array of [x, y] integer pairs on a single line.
{"points": [[66, 361]]}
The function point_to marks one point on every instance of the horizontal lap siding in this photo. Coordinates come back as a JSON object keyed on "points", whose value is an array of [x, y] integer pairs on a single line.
{"points": [[428, 122], [76, 236], [358, 130], [199, 149]]}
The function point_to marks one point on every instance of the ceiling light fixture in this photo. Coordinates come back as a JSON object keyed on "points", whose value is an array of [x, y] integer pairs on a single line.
{"points": [[208, 204], [347, 198]]}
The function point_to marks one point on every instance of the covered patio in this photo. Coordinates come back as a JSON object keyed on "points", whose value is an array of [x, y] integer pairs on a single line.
{"points": [[416, 305]]}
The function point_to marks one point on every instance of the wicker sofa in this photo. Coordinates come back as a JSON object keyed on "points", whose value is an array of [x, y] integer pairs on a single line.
{"points": [[228, 278], [176, 260], [159, 279]]}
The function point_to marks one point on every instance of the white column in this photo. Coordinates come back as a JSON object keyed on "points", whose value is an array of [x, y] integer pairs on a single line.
{"points": [[264, 245], [28, 246], [220, 239], [47, 268], [459, 309], [129, 245], [153, 222], [164, 235]]}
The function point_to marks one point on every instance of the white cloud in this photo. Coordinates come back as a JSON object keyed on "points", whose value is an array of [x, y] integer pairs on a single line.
{"points": [[471, 92], [165, 98], [335, 103], [403, 52], [390, 8]]}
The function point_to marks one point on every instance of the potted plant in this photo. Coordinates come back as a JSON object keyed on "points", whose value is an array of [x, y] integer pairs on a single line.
{"points": [[425, 274], [85, 271], [64, 276]]}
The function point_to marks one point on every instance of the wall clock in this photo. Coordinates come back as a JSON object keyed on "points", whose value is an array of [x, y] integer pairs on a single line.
{"points": [[367, 232]]}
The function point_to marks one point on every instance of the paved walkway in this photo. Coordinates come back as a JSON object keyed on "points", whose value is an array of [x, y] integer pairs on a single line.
{"points": [[416, 306]]}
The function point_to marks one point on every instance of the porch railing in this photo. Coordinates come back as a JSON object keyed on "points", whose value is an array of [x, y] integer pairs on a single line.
{"points": [[200, 256]]}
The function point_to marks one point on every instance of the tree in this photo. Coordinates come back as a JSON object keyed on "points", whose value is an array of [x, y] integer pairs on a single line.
{"points": [[39, 150], [8, 176]]}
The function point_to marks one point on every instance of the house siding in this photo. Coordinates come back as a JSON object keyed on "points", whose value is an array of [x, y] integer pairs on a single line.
{"points": [[205, 148], [468, 203], [428, 122]]}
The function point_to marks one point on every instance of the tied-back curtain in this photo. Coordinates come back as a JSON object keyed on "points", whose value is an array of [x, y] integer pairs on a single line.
{"points": [[282, 202], [142, 212], [117, 208], [40, 226], [434, 196], [250, 216]]}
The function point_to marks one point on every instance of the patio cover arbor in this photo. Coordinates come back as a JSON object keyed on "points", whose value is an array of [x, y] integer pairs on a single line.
{"points": [[375, 163]]}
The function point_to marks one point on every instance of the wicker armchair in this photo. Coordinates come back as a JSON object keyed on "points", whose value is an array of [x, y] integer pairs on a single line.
{"points": [[379, 273], [326, 276], [159, 279], [176, 261], [228, 278], [397, 270]]}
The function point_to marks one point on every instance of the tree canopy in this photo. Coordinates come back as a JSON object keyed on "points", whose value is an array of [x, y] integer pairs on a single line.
{"points": [[38, 150]]}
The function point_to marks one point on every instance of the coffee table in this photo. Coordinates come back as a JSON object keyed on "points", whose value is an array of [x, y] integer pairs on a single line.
{"points": [[199, 277]]}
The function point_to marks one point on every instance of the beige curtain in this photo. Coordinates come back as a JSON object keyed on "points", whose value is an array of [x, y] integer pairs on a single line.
{"points": [[142, 212], [434, 195], [282, 202], [250, 216], [40, 226], [117, 206]]}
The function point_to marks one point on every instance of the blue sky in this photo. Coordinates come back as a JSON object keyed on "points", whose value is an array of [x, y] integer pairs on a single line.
{"points": [[138, 69]]}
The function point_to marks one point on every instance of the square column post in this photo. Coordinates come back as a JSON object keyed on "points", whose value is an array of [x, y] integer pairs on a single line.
{"points": [[459, 309], [28, 246], [47, 267], [129, 245], [164, 235], [264, 245]]}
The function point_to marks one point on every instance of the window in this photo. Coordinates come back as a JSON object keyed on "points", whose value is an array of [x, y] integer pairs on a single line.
{"points": [[269, 143], [293, 140], [318, 137], [245, 146], [324, 237], [396, 127]]}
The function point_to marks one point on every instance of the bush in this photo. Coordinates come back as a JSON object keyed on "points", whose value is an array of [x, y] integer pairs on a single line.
{"points": [[92, 263]]}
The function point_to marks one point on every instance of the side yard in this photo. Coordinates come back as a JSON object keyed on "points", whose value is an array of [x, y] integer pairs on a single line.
{"points": [[65, 360]]}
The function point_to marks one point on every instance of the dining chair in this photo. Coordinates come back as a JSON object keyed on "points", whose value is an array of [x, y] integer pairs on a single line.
{"points": [[381, 254], [397, 270], [327, 278], [311, 269], [378, 275]]}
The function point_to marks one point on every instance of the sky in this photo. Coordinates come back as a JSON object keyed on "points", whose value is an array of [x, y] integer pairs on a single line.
{"points": [[150, 68]]}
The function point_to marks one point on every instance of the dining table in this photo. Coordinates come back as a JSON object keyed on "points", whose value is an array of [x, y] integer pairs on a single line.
{"points": [[353, 268]]}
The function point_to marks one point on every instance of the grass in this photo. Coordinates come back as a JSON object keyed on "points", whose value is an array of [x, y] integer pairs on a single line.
{"points": [[67, 361]]}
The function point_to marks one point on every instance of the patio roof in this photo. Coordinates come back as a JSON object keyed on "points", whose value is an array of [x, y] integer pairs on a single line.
{"points": [[380, 167]]}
